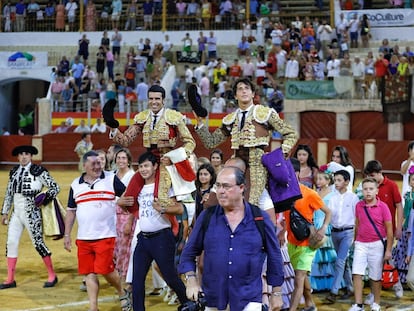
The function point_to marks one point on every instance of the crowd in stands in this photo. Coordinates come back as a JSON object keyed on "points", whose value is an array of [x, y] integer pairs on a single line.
{"points": [[270, 55], [64, 15]]}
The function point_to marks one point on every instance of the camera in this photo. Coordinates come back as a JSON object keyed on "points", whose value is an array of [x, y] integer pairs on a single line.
{"points": [[198, 305]]}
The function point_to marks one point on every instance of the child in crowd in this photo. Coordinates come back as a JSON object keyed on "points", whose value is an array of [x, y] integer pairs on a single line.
{"points": [[408, 207], [371, 216], [408, 228], [342, 205]]}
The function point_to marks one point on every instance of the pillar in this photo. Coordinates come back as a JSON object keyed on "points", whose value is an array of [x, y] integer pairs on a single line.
{"points": [[44, 116], [369, 150], [293, 119], [342, 126], [395, 131], [322, 151]]}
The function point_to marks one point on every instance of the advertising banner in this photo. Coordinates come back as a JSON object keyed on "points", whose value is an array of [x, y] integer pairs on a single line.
{"points": [[310, 90], [23, 60], [383, 18]]}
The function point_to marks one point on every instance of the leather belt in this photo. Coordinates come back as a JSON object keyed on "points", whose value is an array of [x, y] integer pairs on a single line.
{"points": [[342, 229], [149, 235]]}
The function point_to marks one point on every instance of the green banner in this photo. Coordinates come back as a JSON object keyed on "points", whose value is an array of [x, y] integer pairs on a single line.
{"points": [[310, 90]]}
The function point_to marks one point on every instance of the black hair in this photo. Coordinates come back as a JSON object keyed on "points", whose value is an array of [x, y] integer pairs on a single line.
{"points": [[85, 134], [244, 81], [410, 145], [311, 162], [219, 152], [209, 168], [238, 174], [345, 174], [147, 156], [91, 153], [372, 166], [157, 88]]}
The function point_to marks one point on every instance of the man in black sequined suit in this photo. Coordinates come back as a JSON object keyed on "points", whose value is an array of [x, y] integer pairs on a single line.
{"points": [[25, 183]]}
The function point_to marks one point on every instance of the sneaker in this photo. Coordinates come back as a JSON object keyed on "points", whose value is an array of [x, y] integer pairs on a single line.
{"points": [[398, 289], [164, 291], [355, 307], [168, 296], [82, 287], [375, 307], [173, 300], [369, 300]]}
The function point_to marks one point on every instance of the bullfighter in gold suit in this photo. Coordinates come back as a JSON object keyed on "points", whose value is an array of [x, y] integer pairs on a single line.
{"points": [[250, 128]]}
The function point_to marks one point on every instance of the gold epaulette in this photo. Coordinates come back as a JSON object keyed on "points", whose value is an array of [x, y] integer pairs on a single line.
{"points": [[229, 119], [142, 117], [173, 117], [261, 114]]}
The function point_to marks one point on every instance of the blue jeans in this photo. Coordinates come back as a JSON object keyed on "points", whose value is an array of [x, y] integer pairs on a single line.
{"points": [[342, 242], [161, 248]]}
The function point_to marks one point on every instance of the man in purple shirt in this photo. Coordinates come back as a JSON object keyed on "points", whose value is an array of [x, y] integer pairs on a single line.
{"points": [[234, 252]]}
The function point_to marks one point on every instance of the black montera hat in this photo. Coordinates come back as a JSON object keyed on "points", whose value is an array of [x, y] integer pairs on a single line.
{"points": [[108, 114], [195, 101], [25, 148]]}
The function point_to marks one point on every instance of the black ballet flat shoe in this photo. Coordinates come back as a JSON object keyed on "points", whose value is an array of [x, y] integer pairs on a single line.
{"points": [[195, 101], [8, 285], [108, 114], [51, 284]]}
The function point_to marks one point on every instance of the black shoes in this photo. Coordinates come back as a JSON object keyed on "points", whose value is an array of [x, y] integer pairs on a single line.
{"points": [[8, 285], [51, 284]]}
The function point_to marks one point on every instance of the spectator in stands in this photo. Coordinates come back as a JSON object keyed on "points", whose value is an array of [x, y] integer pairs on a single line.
{"points": [[276, 34], [98, 127], [248, 69], [358, 73], [292, 68], [31, 11], [90, 16], [7, 13], [243, 47], [235, 71], [105, 41], [83, 50], [402, 68], [341, 26], [211, 45], [82, 127], [206, 13], [181, 10], [226, 9], [202, 41], [192, 11], [365, 31], [70, 9], [381, 70], [20, 16], [260, 73], [187, 43], [369, 68], [324, 33], [142, 94], [148, 11], [333, 67], [62, 128], [271, 69], [218, 104], [393, 65], [397, 3], [116, 42], [116, 13], [188, 75], [354, 26], [132, 10]]}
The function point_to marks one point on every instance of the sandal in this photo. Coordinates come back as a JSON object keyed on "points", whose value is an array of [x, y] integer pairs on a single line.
{"points": [[126, 303]]}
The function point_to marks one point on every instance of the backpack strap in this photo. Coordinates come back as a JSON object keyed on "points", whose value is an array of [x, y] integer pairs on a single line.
{"points": [[259, 221], [257, 216]]}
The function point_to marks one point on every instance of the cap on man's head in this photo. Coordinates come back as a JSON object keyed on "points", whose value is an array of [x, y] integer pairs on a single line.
{"points": [[24, 148]]}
